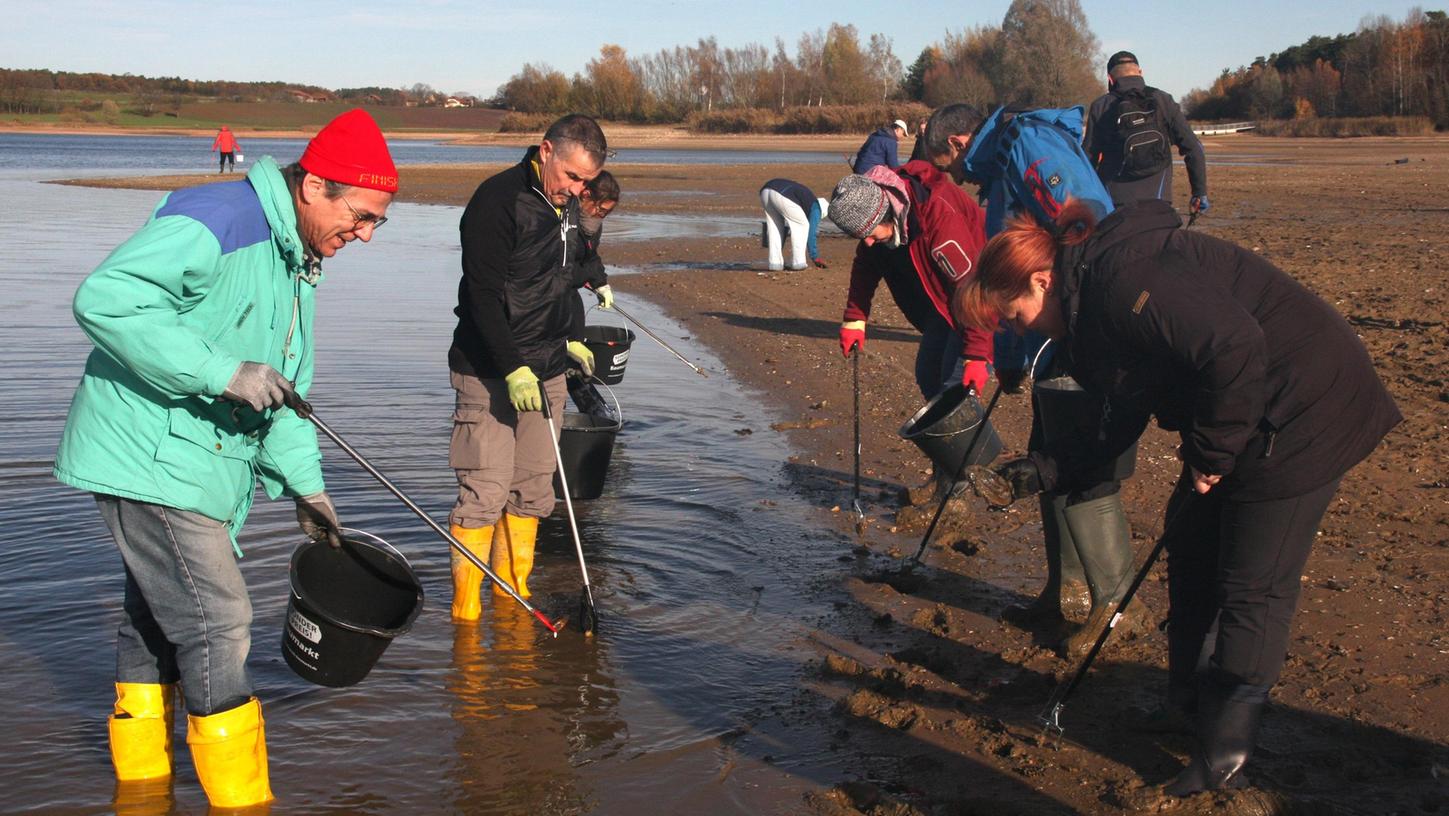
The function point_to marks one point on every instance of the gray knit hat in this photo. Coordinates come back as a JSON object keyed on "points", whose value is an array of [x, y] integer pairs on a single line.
{"points": [[857, 205]]}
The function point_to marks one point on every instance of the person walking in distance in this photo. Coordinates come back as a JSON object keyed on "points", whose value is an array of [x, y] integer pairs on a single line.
{"points": [[1131, 131], [203, 327], [520, 237], [226, 143]]}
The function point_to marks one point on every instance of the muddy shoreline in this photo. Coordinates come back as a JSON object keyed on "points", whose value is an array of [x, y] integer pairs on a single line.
{"points": [[936, 695]]}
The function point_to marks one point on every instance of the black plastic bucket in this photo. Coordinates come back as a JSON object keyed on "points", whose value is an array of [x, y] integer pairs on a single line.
{"points": [[346, 606], [586, 444], [1071, 420], [610, 346], [944, 428]]}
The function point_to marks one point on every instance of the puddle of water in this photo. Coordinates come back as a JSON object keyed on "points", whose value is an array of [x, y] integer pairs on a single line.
{"points": [[705, 570]]}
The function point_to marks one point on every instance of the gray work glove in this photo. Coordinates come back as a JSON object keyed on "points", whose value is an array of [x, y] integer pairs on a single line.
{"points": [[260, 386], [318, 518]]}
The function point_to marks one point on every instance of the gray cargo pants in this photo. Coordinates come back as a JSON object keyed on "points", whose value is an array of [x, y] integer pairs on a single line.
{"points": [[503, 459]]}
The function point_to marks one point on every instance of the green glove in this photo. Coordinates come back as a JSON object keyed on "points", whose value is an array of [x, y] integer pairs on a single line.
{"points": [[582, 356], [523, 390], [605, 294]]}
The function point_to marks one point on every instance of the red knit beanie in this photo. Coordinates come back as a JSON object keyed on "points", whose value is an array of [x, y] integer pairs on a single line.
{"points": [[351, 150]]}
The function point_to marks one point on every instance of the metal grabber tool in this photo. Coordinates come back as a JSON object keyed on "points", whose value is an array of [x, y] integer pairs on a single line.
{"points": [[588, 614], [855, 376], [305, 411], [1051, 717], [655, 337]]}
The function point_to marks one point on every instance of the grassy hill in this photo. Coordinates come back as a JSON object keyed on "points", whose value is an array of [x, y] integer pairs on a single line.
{"points": [[72, 109]]}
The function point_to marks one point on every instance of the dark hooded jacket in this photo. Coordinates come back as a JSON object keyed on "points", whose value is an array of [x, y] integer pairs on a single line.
{"points": [[880, 147], [1267, 384], [518, 277]]}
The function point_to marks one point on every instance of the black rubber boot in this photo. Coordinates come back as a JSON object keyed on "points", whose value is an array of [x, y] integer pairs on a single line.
{"points": [[1227, 727], [1104, 548]]}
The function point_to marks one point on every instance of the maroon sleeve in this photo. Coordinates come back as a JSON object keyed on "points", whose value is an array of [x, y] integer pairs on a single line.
{"points": [[957, 233], [864, 278]]}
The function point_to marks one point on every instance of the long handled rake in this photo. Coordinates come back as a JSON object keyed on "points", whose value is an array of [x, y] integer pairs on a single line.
{"points": [[304, 410], [588, 614]]}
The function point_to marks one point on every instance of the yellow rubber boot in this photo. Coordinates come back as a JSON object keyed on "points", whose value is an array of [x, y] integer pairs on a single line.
{"points": [[229, 750], [468, 579], [513, 552], [140, 727]]}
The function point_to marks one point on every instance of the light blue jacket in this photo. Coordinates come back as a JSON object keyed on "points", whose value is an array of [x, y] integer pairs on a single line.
{"points": [[216, 277]]}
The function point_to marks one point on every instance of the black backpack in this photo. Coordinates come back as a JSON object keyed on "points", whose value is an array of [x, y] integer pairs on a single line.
{"points": [[1145, 149]]}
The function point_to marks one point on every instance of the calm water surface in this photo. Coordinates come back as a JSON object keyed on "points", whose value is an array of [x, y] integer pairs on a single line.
{"points": [[106, 155], [707, 571]]}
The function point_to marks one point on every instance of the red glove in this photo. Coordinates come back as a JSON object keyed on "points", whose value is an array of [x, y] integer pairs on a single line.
{"points": [[852, 334], [975, 376]]}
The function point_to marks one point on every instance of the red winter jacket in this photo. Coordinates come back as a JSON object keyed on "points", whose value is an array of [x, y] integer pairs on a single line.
{"points": [[225, 142], [945, 234]]}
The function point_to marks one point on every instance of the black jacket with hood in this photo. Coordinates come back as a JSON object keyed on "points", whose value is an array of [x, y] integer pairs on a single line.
{"points": [[518, 277], [1267, 384]]}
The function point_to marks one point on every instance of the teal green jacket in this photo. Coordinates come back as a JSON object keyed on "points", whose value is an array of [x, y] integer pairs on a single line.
{"points": [[216, 277]]}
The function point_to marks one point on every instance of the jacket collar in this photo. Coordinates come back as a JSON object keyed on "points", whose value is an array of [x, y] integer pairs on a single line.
{"points": [[267, 181], [1129, 83], [1074, 264]]}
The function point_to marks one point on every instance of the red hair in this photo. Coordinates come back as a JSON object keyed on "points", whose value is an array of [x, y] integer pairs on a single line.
{"points": [[1004, 270]]}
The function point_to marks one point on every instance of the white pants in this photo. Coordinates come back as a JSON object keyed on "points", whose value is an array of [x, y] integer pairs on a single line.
{"points": [[780, 214]]}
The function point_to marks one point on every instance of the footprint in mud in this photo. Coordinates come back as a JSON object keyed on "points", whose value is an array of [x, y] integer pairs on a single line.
{"points": [[929, 659], [968, 546], [905, 581]]}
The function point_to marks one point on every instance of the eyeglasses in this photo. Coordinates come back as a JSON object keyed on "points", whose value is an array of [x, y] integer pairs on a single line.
{"points": [[359, 219]]}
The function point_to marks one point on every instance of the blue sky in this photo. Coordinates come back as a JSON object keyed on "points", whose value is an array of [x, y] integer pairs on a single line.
{"points": [[475, 46]]}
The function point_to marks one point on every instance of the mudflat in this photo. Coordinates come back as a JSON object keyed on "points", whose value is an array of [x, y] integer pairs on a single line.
{"points": [[940, 697]]}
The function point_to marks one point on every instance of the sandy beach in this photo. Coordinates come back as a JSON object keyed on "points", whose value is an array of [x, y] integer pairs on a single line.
{"points": [[933, 688]]}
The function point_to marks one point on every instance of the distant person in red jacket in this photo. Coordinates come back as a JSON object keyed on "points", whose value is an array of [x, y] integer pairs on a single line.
{"points": [[226, 143]]}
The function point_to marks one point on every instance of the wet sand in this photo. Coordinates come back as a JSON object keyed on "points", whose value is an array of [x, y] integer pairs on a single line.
{"points": [[938, 696]]}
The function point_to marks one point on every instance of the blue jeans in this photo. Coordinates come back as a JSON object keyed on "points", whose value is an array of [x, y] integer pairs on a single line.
{"points": [[188, 617], [938, 358]]}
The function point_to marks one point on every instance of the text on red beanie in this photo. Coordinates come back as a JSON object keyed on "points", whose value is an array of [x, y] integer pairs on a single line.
{"points": [[351, 150]]}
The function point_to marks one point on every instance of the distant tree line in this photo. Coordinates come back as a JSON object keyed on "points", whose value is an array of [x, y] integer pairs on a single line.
{"points": [[43, 91], [1385, 68], [1042, 54]]}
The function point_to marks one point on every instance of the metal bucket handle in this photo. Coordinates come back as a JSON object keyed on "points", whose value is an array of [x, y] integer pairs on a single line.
{"points": [[390, 548], [970, 427], [618, 409], [623, 324]]}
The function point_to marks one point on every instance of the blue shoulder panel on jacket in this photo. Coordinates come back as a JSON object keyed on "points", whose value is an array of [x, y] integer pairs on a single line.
{"points": [[231, 210]]}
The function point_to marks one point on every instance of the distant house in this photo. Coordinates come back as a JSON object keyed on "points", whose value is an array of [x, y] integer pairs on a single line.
{"points": [[304, 96], [454, 102]]}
